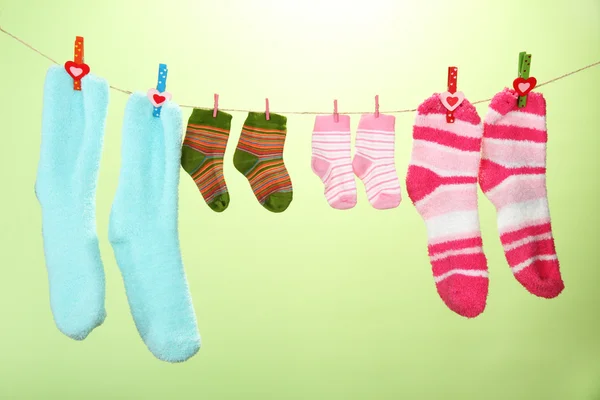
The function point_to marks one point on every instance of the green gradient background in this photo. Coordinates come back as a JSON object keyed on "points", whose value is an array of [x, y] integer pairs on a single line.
{"points": [[312, 303]]}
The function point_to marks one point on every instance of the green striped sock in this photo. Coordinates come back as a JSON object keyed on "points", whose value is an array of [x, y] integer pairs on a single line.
{"points": [[259, 156], [202, 155]]}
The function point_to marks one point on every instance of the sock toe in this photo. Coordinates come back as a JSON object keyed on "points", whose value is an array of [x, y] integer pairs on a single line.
{"points": [[220, 203], [278, 202], [385, 201], [464, 295], [171, 346], [345, 202], [76, 324], [542, 279], [77, 303]]}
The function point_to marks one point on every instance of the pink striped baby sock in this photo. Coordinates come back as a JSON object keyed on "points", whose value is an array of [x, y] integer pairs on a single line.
{"points": [[374, 160], [442, 184], [331, 160], [513, 177]]}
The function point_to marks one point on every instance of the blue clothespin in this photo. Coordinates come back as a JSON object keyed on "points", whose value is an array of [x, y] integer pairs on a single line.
{"points": [[159, 95]]}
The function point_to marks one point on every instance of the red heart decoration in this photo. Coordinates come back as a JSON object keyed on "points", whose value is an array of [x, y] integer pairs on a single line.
{"points": [[77, 71], [524, 86], [158, 99], [452, 100]]}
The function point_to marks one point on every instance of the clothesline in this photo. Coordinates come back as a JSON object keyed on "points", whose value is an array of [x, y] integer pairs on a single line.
{"points": [[125, 91]]}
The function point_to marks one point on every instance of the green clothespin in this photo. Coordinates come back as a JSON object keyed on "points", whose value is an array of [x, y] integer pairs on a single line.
{"points": [[524, 84]]}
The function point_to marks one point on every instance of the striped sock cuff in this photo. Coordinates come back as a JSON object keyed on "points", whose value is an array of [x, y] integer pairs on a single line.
{"points": [[259, 120], [369, 123], [205, 117]]}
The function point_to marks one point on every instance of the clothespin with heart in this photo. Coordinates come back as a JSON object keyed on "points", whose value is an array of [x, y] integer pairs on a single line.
{"points": [[524, 83], [452, 98], [77, 69], [159, 95]]}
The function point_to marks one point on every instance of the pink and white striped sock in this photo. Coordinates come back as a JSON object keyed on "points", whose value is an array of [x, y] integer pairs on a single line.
{"points": [[513, 177], [331, 160], [374, 160], [442, 184]]}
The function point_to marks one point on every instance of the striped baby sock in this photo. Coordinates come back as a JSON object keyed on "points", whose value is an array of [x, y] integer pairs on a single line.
{"points": [[259, 156], [202, 155], [374, 160], [442, 183], [513, 177], [331, 160]]}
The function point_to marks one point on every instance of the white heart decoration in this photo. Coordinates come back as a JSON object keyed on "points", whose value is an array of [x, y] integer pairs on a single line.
{"points": [[76, 72], [524, 86], [456, 98], [152, 92]]}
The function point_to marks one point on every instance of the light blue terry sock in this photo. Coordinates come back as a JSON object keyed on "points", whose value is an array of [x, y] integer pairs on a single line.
{"points": [[72, 137], [143, 230]]}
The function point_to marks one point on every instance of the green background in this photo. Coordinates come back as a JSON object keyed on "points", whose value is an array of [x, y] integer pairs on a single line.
{"points": [[313, 303]]}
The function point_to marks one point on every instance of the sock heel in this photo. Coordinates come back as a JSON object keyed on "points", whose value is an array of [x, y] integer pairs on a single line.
{"points": [[191, 160], [360, 165], [244, 162], [320, 167]]}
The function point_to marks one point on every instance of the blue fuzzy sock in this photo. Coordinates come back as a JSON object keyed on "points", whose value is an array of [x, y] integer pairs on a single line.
{"points": [[143, 230], [72, 136]]}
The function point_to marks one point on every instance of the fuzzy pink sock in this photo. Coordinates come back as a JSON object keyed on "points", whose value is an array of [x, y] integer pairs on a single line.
{"points": [[513, 177], [331, 160], [442, 184], [374, 160]]}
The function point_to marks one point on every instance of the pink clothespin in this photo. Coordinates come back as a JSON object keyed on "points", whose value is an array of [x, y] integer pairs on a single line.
{"points": [[216, 107], [268, 115], [377, 106], [336, 116]]}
